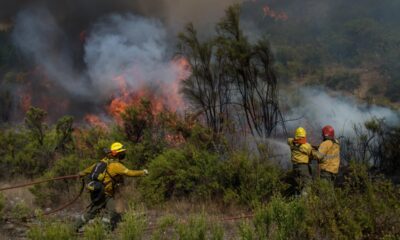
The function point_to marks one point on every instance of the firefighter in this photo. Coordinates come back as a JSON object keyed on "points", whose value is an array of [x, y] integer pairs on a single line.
{"points": [[328, 154], [301, 153], [104, 178]]}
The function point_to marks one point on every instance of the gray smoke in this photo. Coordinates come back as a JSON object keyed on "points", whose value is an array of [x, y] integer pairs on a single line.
{"points": [[128, 46], [131, 39], [40, 39], [316, 108], [124, 45], [313, 108]]}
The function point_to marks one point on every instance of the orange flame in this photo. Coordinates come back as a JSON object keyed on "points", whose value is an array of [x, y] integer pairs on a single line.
{"points": [[95, 121], [268, 12], [163, 96], [26, 102]]}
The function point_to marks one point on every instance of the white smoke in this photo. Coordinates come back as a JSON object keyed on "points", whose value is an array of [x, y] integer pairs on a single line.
{"points": [[117, 46], [313, 108], [131, 46], [316, 108]]}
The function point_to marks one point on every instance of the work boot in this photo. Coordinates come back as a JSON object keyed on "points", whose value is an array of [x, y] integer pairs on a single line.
{"points": [[79, 224]]}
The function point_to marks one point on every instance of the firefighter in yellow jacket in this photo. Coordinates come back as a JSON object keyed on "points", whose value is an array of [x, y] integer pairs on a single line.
{"points": [[108, 173], [328, 154], [301, 153]]}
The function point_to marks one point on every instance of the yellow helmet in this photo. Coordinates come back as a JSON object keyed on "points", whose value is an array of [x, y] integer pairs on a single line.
{"points": [[300, 133], [116, 148]]}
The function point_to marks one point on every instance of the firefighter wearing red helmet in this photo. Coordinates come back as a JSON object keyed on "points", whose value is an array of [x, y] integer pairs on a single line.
{"points": [[328, 154]]}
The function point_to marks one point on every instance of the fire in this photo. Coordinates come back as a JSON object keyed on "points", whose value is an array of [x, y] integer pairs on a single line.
{"points": [[26, 102], [162, 96], [268, 12], [95, 121], [174, 139]]}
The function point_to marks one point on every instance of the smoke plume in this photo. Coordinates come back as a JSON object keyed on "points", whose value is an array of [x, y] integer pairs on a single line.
{"points": [[315, 108], [118, 47]]}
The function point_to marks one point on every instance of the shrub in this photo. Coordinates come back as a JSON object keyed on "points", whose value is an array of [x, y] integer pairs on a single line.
{"points": [[246, 231], [216, 232], [95, 231], [362, 208], [20, 210], [344, 81], [202, 175], [133, 225], [195, 229], [34, 122], [179, 173], [52, 193], [164, 229], [51, 231], [280, 219], [138, 120], [247, 180]]}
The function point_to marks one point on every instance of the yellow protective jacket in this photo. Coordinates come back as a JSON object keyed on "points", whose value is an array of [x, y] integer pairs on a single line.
{"points": [[328, 156], [300, 153], [115, 171]]}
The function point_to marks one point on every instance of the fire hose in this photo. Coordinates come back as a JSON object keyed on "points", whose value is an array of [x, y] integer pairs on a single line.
{"points": [[64, 206], [50, 180]]}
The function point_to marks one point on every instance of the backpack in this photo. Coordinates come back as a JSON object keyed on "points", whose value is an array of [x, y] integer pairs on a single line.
{"points": [[96, 181]]}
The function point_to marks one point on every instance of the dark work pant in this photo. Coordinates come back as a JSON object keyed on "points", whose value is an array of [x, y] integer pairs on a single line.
{"points": [[303, 177], [327, 176], [111, 218]]}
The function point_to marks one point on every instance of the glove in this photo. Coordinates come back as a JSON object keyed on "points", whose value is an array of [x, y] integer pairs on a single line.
{"points": [[81, 175], [146, 172]]}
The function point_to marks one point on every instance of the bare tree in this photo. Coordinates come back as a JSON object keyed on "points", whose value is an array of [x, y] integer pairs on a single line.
{"points": [[208, 88], [251, 70], [232, 78]]}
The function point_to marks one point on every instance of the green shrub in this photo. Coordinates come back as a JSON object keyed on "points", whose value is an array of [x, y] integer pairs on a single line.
{"points": [[179, 173], [202, 175], [133, 225], [20, 210], [216, 232], [247, 180], [280, 219], [51, 231], [246, 231], [164, 228], [195, 229], [362, 208], [95, 230], [344, 81]]}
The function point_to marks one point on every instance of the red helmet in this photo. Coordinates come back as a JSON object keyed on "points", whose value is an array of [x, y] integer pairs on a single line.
{"points": [[328, 132]]}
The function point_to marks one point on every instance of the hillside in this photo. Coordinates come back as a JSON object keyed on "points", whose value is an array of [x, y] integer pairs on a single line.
{"points": [[262, 120], [333, 43]]}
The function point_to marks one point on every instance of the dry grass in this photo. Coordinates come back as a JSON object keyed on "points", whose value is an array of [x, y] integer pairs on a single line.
{"points": [[14, 196]]}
